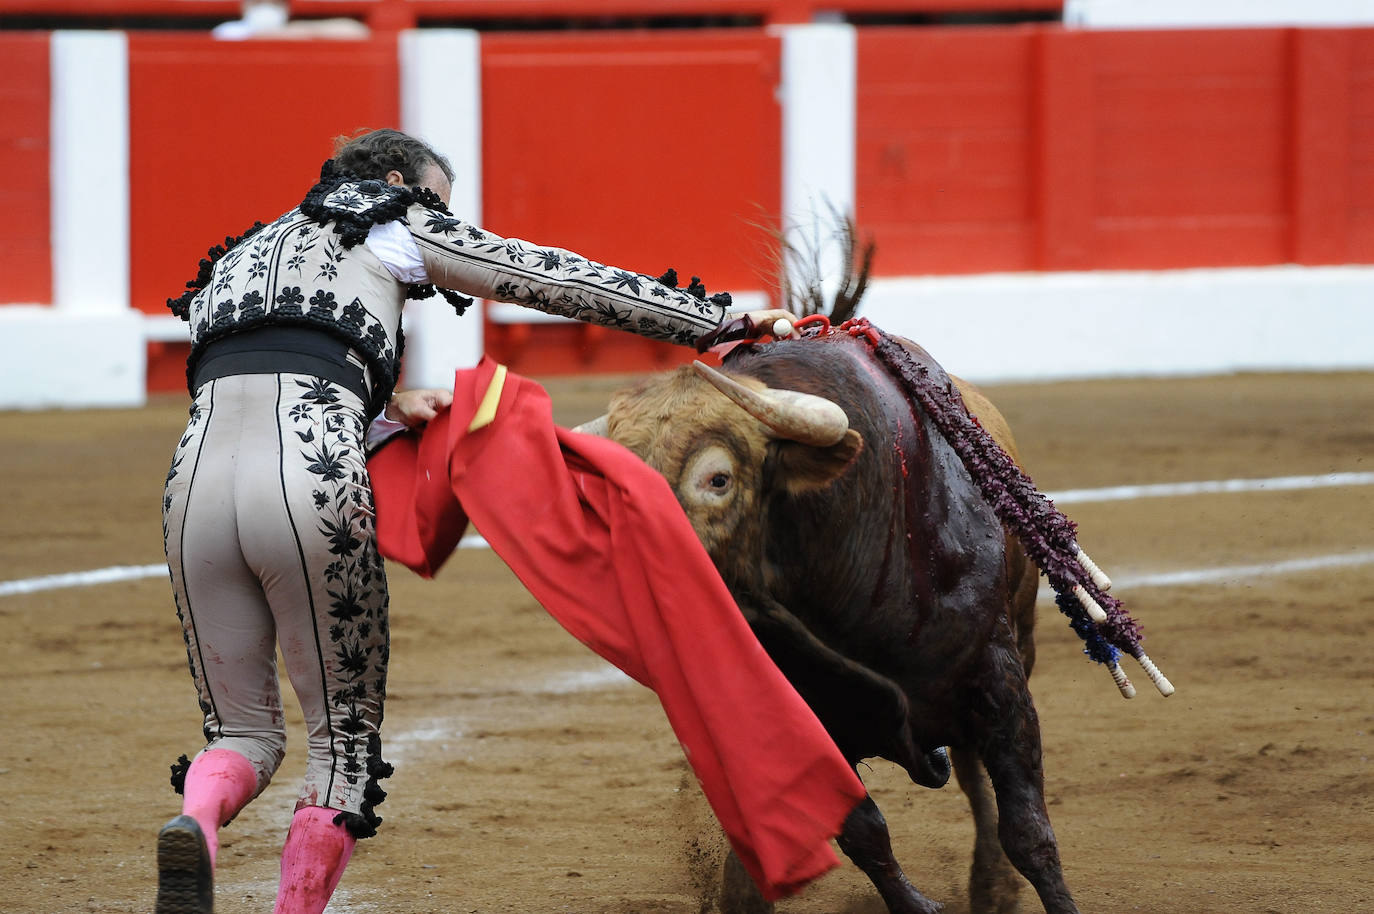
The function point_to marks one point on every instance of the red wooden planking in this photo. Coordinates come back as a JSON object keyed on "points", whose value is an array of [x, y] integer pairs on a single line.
{"points": [[1065, 154], [1359, 183], [646, 151], [1131, 149], [943, 138], [1198, 122], [397, 14], [25, 246]]}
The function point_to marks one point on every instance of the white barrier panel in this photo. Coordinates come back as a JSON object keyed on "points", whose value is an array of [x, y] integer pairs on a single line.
{"points": [[72, 359], [1172, 14], [1025, 326]]}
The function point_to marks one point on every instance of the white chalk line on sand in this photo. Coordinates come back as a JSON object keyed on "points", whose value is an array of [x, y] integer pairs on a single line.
{"points": [[1238, 574], [1173, 489], [1070, 496]]}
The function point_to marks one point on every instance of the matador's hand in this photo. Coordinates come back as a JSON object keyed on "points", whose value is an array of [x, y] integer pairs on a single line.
{"points": [[769, 320], [416, 407], [750, 325]]}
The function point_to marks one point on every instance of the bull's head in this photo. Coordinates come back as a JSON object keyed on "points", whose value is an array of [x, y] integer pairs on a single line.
{"points": [[728, 443]]}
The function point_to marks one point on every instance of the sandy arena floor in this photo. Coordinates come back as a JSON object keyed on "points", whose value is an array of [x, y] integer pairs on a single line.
{"points": [[532, 778]]}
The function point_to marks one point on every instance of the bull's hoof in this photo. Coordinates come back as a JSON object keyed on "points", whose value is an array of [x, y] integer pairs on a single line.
{"points": [[933, 770], [738, 893]]}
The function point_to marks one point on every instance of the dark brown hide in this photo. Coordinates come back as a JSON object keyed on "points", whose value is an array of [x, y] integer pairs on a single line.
{"points": [[900, 564], [876, 576]]}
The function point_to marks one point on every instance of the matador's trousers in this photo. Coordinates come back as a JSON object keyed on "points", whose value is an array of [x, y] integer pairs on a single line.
{"points": [[270, 538]]}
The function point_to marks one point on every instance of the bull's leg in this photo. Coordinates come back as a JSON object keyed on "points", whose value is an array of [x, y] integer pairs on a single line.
{"points": [[738, 893], [1011, 754], [866, 841], [992, 883]]}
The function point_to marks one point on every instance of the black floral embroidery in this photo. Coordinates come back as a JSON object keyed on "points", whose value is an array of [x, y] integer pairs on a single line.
{"points": [[224, 312], [226, 279], [305, 243], [438, 222], [514, 251], [257, 267], [548, 260], [354, 314], [347, 198], [377, 334], [624, 280], [333, 253], [354, 581], [322, 305], [317, 390], [251, 307], [288, 296], [611, 315], [192, 433]]}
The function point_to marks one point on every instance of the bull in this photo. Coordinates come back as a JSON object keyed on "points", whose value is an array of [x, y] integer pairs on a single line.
{"points": [[878, 578]]}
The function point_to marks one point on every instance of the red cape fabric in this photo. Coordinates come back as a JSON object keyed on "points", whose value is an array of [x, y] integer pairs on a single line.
{"points": [[600, 541]]}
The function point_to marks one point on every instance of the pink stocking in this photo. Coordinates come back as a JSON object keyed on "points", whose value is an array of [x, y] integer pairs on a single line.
{"points": [[312, 861], [219, 783]]}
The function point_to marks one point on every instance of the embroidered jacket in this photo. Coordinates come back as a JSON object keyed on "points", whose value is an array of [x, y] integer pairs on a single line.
{"points": [[308, 268]]}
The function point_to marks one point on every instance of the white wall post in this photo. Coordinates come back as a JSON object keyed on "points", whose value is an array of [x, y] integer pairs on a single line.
{"points": [[87, 349], [818, 92], [90, 171], [441, 103]]}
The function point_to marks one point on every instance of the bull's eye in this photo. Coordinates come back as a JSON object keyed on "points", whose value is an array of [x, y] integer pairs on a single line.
{"points": [[709, 478]]}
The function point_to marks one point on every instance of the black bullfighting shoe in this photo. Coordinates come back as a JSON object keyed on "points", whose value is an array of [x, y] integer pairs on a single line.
{"points": [[185, 882]]}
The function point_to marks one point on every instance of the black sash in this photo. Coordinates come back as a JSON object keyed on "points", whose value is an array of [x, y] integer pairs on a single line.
{"points": [[278, 349]]}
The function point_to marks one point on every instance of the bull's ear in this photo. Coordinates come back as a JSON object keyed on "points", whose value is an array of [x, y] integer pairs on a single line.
{"points": [[806, 468]]}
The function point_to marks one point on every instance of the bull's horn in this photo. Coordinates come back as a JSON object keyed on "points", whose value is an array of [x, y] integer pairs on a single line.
{"points": [[791, 414], [598, 427]]}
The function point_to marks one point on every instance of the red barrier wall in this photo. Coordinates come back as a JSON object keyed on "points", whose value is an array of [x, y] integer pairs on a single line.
{"points": [[404, 14], [645, 150], [25, 251], [1044, 149], [977, 149], [1333, 188], [943, 142]]}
